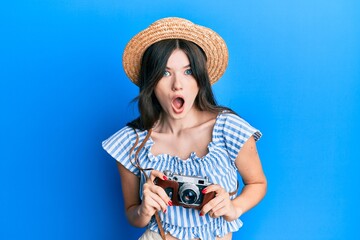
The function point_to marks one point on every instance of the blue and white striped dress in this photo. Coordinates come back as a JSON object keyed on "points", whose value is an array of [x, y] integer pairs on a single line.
{"points": [[229, 134]]}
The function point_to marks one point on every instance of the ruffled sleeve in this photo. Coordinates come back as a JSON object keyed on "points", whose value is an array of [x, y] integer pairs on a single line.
{"points": [[236, 131], [119, 146]]}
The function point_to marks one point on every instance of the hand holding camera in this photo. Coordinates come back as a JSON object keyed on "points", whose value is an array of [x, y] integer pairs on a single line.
{"points": [[186, 191]]}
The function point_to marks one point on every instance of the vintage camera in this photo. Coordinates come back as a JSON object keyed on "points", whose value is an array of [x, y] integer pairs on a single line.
{"points": [[186, 190]]}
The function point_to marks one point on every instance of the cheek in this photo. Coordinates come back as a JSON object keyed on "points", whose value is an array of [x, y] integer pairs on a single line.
{"points": [[195, 88], [160, 96], [193, 95], [196, 93], [192, 84]]}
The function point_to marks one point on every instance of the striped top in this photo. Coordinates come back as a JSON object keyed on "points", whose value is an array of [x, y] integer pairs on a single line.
{"points": [[229, 134]]}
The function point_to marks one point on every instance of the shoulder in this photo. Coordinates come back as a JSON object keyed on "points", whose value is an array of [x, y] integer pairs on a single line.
{"points": [[233, 131], [122, 133], [230, 119], [125, 136], [120, 146], [232, 124]]}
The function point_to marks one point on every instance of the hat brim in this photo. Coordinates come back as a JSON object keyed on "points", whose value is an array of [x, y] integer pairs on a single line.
{"points": [[177, 28]]}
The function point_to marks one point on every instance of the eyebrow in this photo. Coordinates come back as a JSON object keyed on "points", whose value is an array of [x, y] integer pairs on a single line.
{"points": [[187, 66]]}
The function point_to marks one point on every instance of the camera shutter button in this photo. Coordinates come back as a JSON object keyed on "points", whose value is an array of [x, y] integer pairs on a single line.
{"points": [[167, 173]]}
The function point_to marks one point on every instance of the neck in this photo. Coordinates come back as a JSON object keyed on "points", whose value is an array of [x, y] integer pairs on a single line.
{"points": [[174, 126]]}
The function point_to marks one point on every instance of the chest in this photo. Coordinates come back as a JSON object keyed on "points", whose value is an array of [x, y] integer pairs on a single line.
{"points": [[182, 145]]}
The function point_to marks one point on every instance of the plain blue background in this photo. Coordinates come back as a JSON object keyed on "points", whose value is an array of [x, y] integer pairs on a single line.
{"points": [[294, 73]]}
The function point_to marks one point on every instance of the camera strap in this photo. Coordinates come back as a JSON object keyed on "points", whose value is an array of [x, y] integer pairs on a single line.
{"points": [[137, 165]]}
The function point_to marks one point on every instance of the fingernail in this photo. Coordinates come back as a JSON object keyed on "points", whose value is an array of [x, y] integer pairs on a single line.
{"points": [[165, 211], [170, 203], [165, 177], [204, 191], [201, 214]]}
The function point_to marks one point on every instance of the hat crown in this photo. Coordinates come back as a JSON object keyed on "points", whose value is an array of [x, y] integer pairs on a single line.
{"points": [[177, 28], [171, 21]]}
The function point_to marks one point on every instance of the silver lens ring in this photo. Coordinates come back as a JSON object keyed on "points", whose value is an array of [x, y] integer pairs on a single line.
{"points": [[189, 193]]}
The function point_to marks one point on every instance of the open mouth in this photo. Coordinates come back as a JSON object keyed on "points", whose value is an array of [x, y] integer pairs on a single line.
{"points": [[178, 104]]}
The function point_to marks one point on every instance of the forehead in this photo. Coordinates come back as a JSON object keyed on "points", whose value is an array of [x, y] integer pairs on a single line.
{"points": [[178, 59]]}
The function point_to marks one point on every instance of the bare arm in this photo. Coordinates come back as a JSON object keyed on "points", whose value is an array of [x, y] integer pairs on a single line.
{"points": [[155, 199], [249, 166]]}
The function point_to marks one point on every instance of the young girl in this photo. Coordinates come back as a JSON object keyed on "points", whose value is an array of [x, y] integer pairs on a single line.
{"points": [[182, 130]]}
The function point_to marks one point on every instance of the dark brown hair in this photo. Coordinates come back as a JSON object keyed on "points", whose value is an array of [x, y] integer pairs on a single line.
{"points": [[152, 69]]}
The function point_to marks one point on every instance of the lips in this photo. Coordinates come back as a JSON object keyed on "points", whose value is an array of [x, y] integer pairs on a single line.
{"points": [[178, 104]]}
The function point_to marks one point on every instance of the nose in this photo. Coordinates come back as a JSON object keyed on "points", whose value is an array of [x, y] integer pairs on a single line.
{"points": [[176, 85]]}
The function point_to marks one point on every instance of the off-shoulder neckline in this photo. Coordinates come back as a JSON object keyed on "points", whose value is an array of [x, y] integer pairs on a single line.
{"points": [[192, 155]]}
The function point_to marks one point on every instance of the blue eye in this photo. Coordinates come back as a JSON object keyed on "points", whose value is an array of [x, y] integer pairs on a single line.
{"points": [[166, 73], [188, 71]]}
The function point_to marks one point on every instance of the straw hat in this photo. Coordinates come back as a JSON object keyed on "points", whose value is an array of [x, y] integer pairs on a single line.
{"points": [[177, 28]]}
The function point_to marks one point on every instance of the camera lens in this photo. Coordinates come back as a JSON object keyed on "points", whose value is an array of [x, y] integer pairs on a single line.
{"points": [[189, 196], [189, 193]]}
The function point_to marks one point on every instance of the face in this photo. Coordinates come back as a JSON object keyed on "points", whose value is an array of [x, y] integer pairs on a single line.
{"points": [[177, 89]]}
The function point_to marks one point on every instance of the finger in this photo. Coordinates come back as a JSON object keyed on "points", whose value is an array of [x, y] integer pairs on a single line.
{"points": [[213, 188], [152, 199], [211, 205], [217, 213], [161, 193], [155, 173], [159, 201], [151, 188], [221, 204], [149, 204]]}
